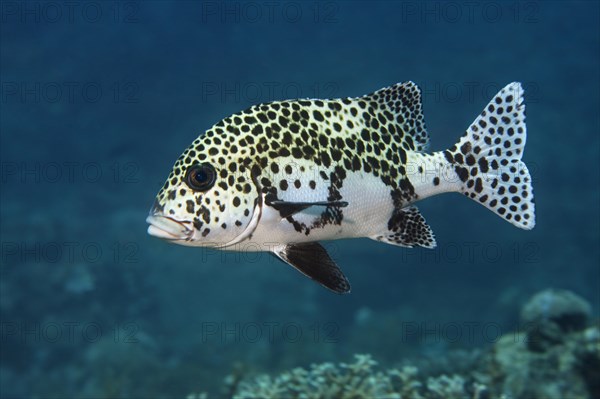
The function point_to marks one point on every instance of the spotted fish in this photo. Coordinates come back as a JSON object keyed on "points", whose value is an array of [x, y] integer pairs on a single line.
{"points": [[282, 176]]}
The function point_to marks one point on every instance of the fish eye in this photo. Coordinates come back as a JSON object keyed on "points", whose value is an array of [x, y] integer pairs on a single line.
{"points": [[200, 177]]}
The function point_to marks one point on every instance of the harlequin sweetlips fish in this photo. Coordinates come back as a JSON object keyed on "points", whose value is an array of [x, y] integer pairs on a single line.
{"points": [[282, 176]]}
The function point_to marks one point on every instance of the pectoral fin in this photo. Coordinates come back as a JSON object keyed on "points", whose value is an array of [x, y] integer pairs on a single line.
{"points": [[312, 260], [286, 208]]}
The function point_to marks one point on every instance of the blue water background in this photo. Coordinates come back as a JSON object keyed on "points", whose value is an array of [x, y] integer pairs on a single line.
{"points": [[124, 314]]}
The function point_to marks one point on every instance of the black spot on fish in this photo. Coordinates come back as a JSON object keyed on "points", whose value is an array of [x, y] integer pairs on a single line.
{"points": [[462, 173], [190, 206]]}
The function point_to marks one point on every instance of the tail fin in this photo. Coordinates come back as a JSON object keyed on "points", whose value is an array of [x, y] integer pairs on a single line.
{"points": [[487, 159]]}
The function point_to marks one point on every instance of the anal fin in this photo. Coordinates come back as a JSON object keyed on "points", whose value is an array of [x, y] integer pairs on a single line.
{"points": [[312, 260], [408, 228]]}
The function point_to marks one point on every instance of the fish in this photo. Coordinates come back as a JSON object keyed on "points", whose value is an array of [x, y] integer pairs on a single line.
{"points": [[282, 177]]}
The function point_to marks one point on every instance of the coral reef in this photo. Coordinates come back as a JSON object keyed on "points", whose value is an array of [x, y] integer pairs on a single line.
{"points": [[552, 313], [566, 370], [553, 355], [361, 379]]}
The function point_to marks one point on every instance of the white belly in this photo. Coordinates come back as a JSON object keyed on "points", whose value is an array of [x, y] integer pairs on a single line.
{"points": [[369, 209]]}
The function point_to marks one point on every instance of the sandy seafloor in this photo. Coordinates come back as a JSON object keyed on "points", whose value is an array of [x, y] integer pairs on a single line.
{"points": [[99, 99]]}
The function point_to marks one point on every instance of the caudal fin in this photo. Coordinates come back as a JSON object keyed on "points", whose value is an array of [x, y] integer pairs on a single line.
{"points": [[487, 159]]}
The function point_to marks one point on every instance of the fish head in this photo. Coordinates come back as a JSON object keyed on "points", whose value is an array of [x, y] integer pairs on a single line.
{"points": [[210, 197]]}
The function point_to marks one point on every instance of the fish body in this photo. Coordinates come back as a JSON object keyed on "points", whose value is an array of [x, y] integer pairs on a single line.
{"points": [[282, 176]]}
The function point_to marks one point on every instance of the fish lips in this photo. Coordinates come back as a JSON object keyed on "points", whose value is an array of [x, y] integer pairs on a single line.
{"points": [[168, 228]]}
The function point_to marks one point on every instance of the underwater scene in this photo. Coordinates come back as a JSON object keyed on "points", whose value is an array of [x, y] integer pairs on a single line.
{"points": [[166, 165]]}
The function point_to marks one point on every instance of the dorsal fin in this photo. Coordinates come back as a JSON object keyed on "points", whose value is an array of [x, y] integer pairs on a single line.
{"points": [[403, 100]]}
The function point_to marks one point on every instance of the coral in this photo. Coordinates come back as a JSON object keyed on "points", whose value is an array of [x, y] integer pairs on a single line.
{"points": [[447, 387], [555, 356], [551, 314], [202, 395], [567, 370], [359, 380]]}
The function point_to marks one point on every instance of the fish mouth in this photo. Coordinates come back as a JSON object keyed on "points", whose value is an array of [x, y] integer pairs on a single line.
{"points": [[168, 228]]}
